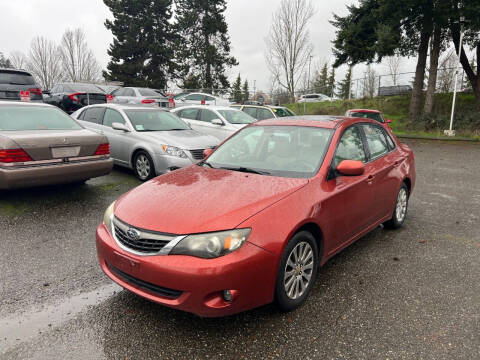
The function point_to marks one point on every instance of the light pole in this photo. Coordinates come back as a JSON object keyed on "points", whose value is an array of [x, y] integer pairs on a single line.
{"points": [[450, 131]]}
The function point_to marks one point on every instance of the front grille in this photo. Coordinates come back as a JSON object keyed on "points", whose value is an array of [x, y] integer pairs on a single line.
{"points": [[144, 242], [197, 154], [158, 290]]}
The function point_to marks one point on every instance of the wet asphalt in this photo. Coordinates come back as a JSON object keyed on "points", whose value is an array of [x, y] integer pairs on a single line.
{"points": [[412, 293]]}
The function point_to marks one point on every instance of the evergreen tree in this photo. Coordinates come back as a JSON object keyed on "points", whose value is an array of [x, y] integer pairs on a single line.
{"points": [[321, 78], [246, 92], [331, 83], [142, 50], [345, 85], [4, 62], [204, 47], [237, 90]]}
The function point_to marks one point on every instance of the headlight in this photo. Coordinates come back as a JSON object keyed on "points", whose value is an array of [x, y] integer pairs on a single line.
{"points": [[107, 218], [211, 245], [174, 151]]}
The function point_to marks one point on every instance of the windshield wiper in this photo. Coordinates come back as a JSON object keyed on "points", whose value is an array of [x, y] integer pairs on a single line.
{"points": [[246, 170], [201, 163]]}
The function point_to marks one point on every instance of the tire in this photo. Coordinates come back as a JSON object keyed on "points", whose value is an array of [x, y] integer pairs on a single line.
{"points": [[400, 211], [292, 273], [143, 166]]}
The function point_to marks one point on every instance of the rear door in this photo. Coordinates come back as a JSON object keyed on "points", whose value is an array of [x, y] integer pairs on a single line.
{"points": [[252, 111], [92, 118], [206, 126], [383, 163], [189, 115]]}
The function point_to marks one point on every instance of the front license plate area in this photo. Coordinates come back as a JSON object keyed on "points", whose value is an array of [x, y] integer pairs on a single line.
{"points": [[65, 152], [126, 264]]}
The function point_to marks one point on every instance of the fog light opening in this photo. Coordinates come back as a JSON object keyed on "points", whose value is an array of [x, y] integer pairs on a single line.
{"points": [[227, 295]]}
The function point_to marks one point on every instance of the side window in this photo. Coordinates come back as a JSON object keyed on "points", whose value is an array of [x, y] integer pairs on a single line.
{"points": [[94, 115], [194, 97], [207, 115], [263, 114], [251, 111], [390, 142], [189, 114], [209, 98], [129, 92], [112, 116], [376, 140], [350, 146], [82, 114]]}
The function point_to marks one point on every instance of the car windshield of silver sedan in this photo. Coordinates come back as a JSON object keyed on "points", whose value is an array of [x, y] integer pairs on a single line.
{"points": [[23, 118], [285, 151], [236, 117], [155, 120]]}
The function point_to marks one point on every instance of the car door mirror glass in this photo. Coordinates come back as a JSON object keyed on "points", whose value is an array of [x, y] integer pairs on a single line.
{"points": [[118, 126], [351, 168], [216, 122]]}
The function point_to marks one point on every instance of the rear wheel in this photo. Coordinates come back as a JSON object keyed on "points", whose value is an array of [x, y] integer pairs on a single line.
{"points": [[143, 166], [297, 271], [400, 211]]}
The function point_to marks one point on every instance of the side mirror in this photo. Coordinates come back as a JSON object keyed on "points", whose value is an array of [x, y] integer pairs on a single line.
{"points": [[389, 121], [351, 167], [217, 122], [118, 126], [207, 152]]}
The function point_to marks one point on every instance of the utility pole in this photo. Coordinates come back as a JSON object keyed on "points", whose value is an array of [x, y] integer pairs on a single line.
{"points": [[450, 131], [309, 64], [254, 89]]}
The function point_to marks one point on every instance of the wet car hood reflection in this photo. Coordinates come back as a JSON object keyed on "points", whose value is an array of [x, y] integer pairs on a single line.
{"points": [[197, 199]]}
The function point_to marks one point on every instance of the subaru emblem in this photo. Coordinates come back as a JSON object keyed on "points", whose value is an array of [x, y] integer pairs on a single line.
{"points": [[133, 234]]}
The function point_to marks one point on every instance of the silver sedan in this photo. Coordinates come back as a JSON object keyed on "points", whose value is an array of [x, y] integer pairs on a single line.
{"points": [[150, 141]]}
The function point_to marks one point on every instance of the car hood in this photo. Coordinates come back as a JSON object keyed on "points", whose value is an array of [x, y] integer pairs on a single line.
{"points": [[197, 199], [184, 139]]}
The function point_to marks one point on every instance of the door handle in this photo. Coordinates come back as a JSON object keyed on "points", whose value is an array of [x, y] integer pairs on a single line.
{"points": [[370, 178]]}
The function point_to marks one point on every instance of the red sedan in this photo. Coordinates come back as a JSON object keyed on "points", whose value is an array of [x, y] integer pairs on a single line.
{"points": [[253, 221]]}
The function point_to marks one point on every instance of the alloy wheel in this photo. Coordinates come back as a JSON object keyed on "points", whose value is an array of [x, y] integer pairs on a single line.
{"points": [[298, 270], [401, 208], [143, 166]]}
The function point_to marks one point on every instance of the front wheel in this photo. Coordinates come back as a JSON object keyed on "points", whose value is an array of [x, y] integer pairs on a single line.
{"points": [[143, 166], [297, 271], [400, 211]]}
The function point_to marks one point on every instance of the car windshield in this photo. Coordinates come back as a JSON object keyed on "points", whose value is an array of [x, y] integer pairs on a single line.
{"points": [[282, 112], [367, 115], [286, 151], [155, 120], [18, 118], [236, 117], [16, 78], [77, 87], [148, 92]]}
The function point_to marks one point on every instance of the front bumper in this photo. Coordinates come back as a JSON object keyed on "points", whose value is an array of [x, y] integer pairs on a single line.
{"points": [[249, 273], [59, 173], [166, 163]]}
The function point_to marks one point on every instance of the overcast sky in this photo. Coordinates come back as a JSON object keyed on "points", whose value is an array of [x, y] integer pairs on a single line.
{"points": [[248, 23]]}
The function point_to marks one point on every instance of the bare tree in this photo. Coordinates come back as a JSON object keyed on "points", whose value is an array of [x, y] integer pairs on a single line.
{"points": [[394, 64], [44, 62], [18, 59], [288, 43], [446, 72], [369, 82], [78, 60]]}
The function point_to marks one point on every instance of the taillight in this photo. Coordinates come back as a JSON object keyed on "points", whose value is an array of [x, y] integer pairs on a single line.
{"points": [[109, 98], [103, 149], [73, 97], [171, 103], [14, 155], [36, 91], [148, 101]]}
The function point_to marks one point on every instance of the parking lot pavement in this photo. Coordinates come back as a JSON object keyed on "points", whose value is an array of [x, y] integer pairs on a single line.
{"points": [[411, 293]]}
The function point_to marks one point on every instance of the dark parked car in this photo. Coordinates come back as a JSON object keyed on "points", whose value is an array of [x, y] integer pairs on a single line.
{"points": [[13, 82], [72, 96]]}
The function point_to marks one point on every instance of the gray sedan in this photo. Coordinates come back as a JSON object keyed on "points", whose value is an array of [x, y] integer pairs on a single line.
{"points": [[140, 96], [148, 140]]}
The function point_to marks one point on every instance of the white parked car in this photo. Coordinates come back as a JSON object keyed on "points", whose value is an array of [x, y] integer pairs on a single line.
{"points": [[200, 99], [140, 96], [218, 121], [314, 98]]}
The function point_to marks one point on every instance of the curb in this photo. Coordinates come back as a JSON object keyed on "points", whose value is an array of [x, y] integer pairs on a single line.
{"points": [[436, 138]]}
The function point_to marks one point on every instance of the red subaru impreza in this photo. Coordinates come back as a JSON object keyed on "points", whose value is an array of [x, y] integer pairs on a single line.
{"points": [[253, 221]]}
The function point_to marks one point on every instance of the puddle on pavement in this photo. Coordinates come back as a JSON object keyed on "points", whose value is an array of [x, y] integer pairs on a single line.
{"points": [[15, 330]]}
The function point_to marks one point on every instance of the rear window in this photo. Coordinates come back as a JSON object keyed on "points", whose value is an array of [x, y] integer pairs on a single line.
{"points": [[82, 88], [367, 115], [16, 78], [17, 118], [148, 92], [282, 112]]}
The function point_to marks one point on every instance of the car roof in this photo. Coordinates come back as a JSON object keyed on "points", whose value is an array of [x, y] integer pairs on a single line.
{"points": [[25, 103], [211, 107], [322, 121], [15, 70], [365, 111], [125, 107]]}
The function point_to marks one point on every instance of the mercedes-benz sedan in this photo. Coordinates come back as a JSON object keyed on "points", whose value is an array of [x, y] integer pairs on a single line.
{"points": [[151, 141], [253, 221], [41, 145]]}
